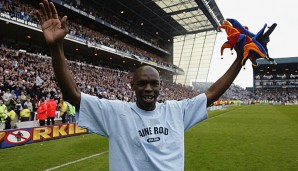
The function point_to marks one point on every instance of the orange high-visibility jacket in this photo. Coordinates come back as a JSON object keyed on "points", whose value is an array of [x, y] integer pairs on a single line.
{"points": [[51, 110], [42, 111]]}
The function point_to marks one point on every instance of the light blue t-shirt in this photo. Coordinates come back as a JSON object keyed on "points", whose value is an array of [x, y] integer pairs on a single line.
{"points": [[138, 139]]}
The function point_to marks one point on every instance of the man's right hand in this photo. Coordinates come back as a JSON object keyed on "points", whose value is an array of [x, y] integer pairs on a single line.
{"points": [[54, 29]]}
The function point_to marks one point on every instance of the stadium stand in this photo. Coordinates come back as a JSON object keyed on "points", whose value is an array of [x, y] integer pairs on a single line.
{"points": [[22, 11], [31, 74], [277, 83]]}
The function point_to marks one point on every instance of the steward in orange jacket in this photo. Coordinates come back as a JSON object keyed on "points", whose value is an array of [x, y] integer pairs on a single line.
{"points": [[51, 110], [42, 112]]}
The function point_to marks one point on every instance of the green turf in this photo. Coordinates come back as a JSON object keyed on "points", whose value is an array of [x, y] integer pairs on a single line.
{"points": [[249, 138], [49, 154]]}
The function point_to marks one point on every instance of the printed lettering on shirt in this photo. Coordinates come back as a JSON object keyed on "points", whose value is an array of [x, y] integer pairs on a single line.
{"points": [[153, 131]]}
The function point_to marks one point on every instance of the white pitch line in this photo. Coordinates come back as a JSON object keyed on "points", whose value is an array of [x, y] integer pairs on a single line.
{"points": [[220, 114], [69, 163]]}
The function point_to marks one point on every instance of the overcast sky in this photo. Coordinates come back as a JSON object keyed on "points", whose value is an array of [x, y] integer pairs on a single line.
{"points": [[254, 14]]}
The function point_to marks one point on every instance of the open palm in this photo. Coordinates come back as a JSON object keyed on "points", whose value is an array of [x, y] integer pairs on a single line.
{"points": [[53, 29]]}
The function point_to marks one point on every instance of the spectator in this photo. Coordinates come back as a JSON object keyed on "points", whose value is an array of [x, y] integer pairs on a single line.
{"points": [[29, 104], [11, 103], [1, 6], [6, 95], [17, 92], [23, 98], [35, 102], [18, 107]]}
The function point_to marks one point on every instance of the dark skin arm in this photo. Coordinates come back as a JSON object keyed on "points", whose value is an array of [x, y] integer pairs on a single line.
{"points": [[54, 31], [223, 83]]}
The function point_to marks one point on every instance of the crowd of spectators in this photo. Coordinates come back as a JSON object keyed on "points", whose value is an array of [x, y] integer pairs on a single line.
{"points": [[18, 9], [236, 92], [27, 77], [30, 76], [280, 95], [98, 11], [23, 10]]}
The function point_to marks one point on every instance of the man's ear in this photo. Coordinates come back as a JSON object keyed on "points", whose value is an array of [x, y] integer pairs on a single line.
{"points": [[132, 86]]}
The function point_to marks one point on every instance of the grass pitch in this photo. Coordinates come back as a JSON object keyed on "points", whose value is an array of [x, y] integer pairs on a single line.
{"points": [[254, 137]]}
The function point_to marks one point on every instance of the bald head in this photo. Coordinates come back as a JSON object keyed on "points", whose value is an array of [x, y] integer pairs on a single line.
{"points": [[145, 70]]}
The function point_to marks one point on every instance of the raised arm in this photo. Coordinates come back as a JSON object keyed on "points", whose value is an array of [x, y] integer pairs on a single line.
{"points": [[223, 83], [54, 31]]}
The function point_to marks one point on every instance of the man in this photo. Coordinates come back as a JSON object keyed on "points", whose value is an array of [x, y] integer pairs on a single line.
{"points": [[18, 107], [63, 110], [10, 104], [11, 123], [42, 112], [51, 110], [25, 114], [145, 135], [29, 104], [71, 113], [6, 95]]}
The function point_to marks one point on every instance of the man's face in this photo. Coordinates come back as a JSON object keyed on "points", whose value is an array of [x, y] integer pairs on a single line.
{"points": [[146, 84]]}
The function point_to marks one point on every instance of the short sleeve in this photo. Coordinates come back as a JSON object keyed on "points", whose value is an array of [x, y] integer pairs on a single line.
{"points": [[195, 110], [91, 114]]}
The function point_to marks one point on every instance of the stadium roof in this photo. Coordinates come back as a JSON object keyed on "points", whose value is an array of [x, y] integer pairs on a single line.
{"points": [[167, 17], [284, 66], [280, 61]]}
